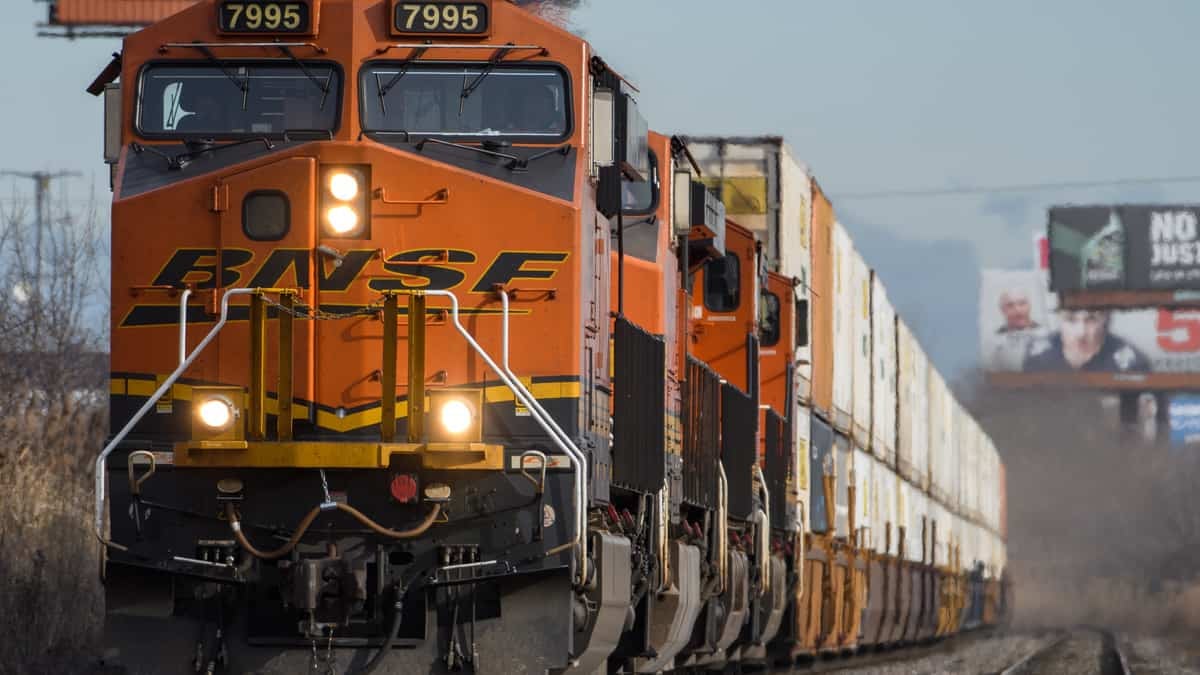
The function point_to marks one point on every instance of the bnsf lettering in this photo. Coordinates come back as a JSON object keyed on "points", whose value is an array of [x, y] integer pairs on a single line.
{"points": [[510, 266], [198, 267], [426, 268]]}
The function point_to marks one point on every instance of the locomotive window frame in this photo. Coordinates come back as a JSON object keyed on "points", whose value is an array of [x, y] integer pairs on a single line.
{"points": [[366, 71], [770, 314], [655, 190], [730, 301], [336, 100], [287, 214]]}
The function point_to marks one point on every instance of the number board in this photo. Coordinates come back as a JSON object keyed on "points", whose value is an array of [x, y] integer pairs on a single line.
{"points": [[251, 16], [441, 17]]}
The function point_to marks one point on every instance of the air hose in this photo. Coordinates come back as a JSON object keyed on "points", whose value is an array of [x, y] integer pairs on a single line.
{"points": [[388, 641], [236, 525]]}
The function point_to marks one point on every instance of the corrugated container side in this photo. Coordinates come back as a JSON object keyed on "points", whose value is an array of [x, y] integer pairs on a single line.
{"points": [[795, 247], [801, 427], [939, 434], [861, 415], [864, 496], [822, 304], [746, 176], [945, 465], [919, 415], [905, 394], [902, 529], [844, 459], [916, 507], [883, 374], [843, 329], [888, 512], [937, 531], [115, 12]]}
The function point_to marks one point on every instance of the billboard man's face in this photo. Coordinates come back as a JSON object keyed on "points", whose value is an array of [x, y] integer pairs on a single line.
{"points": [[1014, 305], [1083, 335]]}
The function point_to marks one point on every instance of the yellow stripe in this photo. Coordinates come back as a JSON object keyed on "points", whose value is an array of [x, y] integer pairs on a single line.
{"points": [[336, 455], [543, 391]]}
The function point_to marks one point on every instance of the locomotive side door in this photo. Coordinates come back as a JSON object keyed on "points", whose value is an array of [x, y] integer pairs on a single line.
{"points": [[267, 238]]}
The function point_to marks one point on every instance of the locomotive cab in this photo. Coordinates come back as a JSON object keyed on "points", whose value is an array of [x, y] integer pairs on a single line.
{"points": [[359, 338]]}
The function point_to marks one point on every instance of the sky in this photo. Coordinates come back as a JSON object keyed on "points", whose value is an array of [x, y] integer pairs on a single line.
{"points": [[874, 95]]}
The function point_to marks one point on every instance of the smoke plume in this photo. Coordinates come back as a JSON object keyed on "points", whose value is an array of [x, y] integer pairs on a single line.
{"points": [[558, 11]]}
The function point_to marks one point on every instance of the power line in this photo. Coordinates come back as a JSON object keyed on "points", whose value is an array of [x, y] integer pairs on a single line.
{"points": [[1026, 187]]}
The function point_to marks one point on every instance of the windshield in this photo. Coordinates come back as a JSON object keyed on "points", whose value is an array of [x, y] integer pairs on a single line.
{"points": [[238, 99], [466, 101]]}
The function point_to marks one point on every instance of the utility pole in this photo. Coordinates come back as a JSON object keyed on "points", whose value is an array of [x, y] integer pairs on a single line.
{"points": [[41, 181]]}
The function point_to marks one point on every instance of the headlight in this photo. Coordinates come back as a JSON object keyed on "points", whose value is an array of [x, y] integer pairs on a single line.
{"points": [[343, 186], [342, 219], [345, 201], [216, 413], [456, 416]]}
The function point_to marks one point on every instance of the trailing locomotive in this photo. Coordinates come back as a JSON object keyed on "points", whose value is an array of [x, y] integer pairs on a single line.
{"points": [[429, 356]]}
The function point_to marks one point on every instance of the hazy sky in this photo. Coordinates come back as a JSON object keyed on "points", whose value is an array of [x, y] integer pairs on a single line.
{"points": [[873, 95]]}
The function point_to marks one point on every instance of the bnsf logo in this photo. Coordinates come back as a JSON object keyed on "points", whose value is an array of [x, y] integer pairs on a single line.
{"points": [[429, 269], [418, 269]]}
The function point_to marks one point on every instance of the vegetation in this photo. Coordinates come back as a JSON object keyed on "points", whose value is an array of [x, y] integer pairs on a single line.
{"points": [[52, 421]]}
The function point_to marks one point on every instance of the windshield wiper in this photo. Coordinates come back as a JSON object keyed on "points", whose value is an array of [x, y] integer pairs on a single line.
{"points": [[323, 86], [242, 83], [383, 90], [469, 89], [180, 161], [514, 162]]}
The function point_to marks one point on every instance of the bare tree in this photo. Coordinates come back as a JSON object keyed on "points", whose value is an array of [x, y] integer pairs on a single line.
{"points": [[53, 417]]}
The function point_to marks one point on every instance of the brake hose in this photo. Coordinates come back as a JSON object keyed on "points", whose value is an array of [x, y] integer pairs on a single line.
{"points": [[236, 525]]}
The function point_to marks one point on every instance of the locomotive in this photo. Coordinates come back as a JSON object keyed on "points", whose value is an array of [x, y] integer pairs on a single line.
{"points": [[429, 356]]}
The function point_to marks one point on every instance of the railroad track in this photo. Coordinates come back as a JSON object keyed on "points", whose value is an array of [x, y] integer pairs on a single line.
{"points": [[1061, 654]]}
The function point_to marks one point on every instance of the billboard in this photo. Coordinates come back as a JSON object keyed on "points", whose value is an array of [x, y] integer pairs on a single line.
{"points": [[1105, 249], [1184, 416], [1026, 339]]}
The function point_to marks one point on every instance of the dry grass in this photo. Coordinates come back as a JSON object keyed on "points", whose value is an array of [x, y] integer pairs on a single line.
{"points": [[1102, 530], [50, 602]]}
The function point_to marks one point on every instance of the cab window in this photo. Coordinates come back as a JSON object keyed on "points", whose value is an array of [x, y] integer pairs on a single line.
{"points": [[768, 319], [475, 101], [638, 204], [238, 99], [721, 283]]}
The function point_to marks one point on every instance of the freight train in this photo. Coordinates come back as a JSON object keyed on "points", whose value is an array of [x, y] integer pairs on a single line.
{"points": [[429, 356]]}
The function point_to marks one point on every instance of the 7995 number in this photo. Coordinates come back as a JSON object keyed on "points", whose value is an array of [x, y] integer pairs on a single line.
{"points": [[264, 17], [470, 18]]}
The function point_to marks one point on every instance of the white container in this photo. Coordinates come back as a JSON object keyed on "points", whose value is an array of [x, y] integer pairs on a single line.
{"points": [[883, 374], [888, 514], [800, 461], [843, 329], [766, 189], [864, 521], [843, 466], [862, 413], [912, 506]]}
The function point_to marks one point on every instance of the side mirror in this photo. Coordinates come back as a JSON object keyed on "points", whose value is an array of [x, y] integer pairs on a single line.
{"points": [[112, 123]]}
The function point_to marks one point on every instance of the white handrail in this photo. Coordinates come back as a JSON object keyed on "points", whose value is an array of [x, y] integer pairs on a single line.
{"points": [[183, 322], [533, 404], [102, 460], [548, 424], [539, 414]]}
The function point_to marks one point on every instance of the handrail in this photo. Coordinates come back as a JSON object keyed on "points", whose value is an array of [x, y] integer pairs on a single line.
{"points": [[764, 546], [183, 322], [532, 403], [102, 459], [557, 435]]}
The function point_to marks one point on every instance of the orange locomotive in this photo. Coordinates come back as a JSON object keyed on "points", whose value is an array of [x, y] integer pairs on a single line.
{"points": [[428, 356]]}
